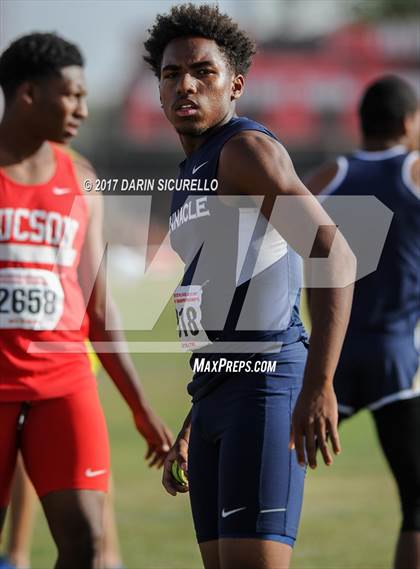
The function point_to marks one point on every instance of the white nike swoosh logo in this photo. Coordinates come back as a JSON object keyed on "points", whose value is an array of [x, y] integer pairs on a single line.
{"points": [[92, 473], [272, 510], [230, 512], [61, 191], [196, 168]]}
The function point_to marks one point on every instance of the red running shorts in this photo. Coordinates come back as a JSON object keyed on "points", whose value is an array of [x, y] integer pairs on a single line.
{"points": [[63, 441]]}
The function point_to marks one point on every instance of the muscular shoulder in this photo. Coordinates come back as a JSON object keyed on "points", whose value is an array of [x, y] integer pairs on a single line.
{"points": [[250, 159], [81, 163], [321, 177], [252, 146], [85, 171]]}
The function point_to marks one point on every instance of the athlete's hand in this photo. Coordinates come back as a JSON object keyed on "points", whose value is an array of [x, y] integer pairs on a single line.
{"points": [[314, 421], [178, 452], [158, 437]]}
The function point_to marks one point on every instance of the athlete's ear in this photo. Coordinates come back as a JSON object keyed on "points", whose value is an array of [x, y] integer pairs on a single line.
{"points": [[25, 92], [411, 127], [160, 96], [237, 87]]}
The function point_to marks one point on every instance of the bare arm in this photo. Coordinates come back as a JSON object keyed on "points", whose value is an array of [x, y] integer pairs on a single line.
{"points": [[316, 182], [116, 362], [253, 164]]}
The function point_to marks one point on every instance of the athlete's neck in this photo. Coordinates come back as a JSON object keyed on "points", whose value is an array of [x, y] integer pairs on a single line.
{"points": [[378, 144], [191, 143], [18, 144]]}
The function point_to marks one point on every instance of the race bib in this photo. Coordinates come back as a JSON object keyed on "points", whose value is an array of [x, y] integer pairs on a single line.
{"points": [[188, 315], [32, 299]]}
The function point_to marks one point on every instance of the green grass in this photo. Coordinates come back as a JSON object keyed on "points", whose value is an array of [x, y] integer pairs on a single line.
{"points": [[350, 515]]}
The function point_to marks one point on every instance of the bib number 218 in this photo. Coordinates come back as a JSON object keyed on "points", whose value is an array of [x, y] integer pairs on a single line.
{"points": [[188, 315], [187, 321]]}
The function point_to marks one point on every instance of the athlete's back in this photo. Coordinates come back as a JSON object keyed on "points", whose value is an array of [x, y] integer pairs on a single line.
{"points": [[378, 367], [388, 300]]}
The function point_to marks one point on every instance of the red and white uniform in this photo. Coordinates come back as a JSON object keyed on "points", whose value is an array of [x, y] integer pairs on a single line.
{"points": [[42, 229], [63, 439]]}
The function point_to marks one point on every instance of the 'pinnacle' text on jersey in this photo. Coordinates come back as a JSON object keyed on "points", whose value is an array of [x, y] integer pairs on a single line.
{"points": [[189, 211]]}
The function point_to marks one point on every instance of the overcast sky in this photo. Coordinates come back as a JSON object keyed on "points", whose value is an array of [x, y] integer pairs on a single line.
{"points": [[110, 32]]}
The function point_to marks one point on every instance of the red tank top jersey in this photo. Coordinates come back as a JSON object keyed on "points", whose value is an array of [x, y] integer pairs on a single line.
{"points": [[42, 229]]}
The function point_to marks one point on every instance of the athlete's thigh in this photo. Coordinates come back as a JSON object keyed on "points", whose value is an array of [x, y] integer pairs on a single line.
{"points": [[65, 444], [203, 465], [252, 553], [261, 483], [398, 427], [9, 415], [210, 554], [75, 517]]}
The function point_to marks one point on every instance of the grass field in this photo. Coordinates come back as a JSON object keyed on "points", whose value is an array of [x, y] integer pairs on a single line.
{"points": [[350, 515]]}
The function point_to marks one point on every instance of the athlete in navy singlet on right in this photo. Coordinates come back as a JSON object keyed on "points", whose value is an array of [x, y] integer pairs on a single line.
{"points": [[378, 368], [240, 292]]}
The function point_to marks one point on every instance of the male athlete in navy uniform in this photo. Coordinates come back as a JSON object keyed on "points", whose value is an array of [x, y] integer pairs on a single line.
{"points": [[378, 368], [245, 478]]}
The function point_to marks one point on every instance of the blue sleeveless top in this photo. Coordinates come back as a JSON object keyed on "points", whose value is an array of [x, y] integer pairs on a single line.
{"points": [[241, 285], [386, 301]]}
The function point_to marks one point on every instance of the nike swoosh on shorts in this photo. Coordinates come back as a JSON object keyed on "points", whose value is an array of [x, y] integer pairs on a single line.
{"points": [[92, 473], [225, 513]]}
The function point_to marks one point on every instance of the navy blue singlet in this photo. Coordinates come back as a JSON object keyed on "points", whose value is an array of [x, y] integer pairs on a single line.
{"points": [[379, 361], [387, 300], [242, 281]]}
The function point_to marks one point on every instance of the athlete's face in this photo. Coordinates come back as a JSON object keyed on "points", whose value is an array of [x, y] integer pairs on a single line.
{"points": [[58, 104], [197, 86]]}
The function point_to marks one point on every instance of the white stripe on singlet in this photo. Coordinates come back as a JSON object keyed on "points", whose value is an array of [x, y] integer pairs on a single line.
{"points": [[42, 254]]}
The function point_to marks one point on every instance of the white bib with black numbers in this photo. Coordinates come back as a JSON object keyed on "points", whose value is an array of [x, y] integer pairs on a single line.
{"points": [[188, 315], [32, 299]]}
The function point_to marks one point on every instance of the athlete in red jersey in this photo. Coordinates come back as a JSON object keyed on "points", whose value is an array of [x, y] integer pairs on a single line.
{"points": [[43, 227], [50, 252]]}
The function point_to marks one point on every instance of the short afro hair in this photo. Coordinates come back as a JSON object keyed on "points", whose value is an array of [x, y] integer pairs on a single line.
{"points": [[35, 56], [188, 20], [384, 106]]}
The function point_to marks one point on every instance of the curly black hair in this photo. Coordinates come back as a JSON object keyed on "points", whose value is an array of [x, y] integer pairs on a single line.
{"points": [[35, 56], [188, 20]]}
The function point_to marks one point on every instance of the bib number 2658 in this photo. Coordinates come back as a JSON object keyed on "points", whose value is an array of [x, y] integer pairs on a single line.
{"points": [[30, 298]]}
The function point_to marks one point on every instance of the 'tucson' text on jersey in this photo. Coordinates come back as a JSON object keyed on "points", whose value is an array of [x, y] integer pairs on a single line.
{"points": [[37, 226]]}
